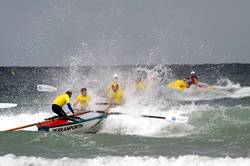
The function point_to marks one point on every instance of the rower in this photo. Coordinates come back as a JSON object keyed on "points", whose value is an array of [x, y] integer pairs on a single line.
{"points": [[116, 97], [60, 101], [114, 82], [140, 85], [83, 99], [108, 90], [192, 80]]}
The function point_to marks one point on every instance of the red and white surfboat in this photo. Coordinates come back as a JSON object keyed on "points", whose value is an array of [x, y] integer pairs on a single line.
{"points": [[90, 122]]}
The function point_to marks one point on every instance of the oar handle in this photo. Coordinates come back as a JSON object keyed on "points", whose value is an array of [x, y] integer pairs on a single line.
{"points": [[22, 127], [152, 116], [145, 116], [111, 113], [105, 103], [101, 103]]}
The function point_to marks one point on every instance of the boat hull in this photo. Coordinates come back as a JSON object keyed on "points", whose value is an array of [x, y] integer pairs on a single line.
{"points": [[182, 86], [90, 122], [179, 85]]}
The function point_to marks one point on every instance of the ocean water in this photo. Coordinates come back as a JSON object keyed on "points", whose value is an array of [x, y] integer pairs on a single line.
{"points": [[217, 133]]}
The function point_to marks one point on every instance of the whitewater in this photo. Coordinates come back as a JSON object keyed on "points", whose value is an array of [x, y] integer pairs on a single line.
{"points": [[217, 132]]}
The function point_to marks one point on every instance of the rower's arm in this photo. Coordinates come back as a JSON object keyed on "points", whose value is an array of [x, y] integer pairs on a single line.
{"points": [[70, 108]]}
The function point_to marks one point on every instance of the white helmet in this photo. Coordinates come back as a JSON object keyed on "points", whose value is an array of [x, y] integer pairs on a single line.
{"points": [[192, 72], [115, 76]]}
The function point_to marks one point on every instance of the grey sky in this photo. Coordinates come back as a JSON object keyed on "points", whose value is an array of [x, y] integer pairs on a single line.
{"points": [[116, 32]]}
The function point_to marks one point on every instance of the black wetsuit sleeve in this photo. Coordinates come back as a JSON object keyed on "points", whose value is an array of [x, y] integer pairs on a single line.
{"points": [[70, 108]]}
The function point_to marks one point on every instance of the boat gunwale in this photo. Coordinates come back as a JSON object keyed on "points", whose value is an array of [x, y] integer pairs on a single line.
{"points": [[103, 116]]}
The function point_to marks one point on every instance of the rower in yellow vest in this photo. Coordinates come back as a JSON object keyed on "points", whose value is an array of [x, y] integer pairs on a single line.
{"points": [[140, 85], [83, 99], [114, 82], [60, 101], [116, 96]]}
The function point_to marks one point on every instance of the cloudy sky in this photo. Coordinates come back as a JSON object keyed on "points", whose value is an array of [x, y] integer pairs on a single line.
{"points": [[117, 32]]}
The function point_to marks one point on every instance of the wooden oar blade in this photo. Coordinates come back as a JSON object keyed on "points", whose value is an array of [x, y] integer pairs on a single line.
{"points": [[22, 127]]}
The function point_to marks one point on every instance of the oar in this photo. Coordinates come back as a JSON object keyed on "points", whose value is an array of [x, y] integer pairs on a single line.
{"points": [[101, 103], [37, 123], [172, 118], [46, 88], [106, 103], [7, 105], [179, 119]]}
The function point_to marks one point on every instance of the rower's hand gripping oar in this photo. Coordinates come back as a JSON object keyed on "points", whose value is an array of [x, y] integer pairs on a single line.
{"points": [[173, 118], [50, 120]]}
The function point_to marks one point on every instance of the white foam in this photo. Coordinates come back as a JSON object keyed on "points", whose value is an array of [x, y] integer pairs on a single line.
{"points": [[242, 92], [188, 160], [132, 123], [12, 121]]}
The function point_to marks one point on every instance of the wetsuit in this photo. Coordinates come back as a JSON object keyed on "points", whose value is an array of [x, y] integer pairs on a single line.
{"points": [[59, 102]]}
